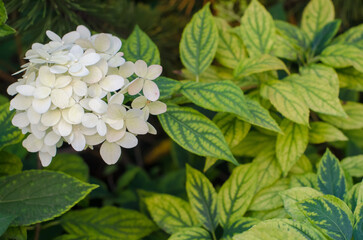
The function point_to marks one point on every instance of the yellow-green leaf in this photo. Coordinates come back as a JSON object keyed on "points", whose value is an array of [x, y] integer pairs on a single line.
{"points": [[286, 100], [331, 178], [294, 195], [354, 165], [10, 164], [253, 144], [199, 42], [358, 226], [321, 132], [304, 180], [343, 55], [240, 225], [269, 214], [291, 144], [330, 215], [192, 233], [257, 29], [353, 36], [354, 120], [352, 196], [350, 78], [167, 86], [202, 197], [236, 193], [170, 213], [222, 96], [195, 132], [9, 134], [269, 198], [316, 15], [292, 34], [303, 165]]}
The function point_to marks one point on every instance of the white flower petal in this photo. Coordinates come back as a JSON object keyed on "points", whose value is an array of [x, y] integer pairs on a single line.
{"points": [[75, 68], [51, 118], [51, 150], [20, 120], [151, 90], [64, 128], [157, 107], [101, 128], [153, 72], [112, 83], [94, 139], [41, 92], [135, 86], [115, 45], [103, 66], [62, 81], [51, 138], [60, 98], [80, 88], [81, 73], [79, 142], [95, 75], [12, 88], [114, 135], [152, 130], [139, 102], [26, 90], [53, 36], [75, 114], [76, 51], [33, 116], [59, 59], [102, 42], [41, 105], [20, 102], [46, 77], [32, 143], [140, 68], [38, 130], [134, 113], [116, 61], [58, 69], [128, 141], [137, 126], [126, 69], [110, 152], [90, 59], [45, 158], [71, 37], [95, 91], [89, 120], [83, 31], [117, 98], [97, 105]]}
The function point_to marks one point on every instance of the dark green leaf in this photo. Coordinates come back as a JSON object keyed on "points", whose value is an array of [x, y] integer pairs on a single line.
{"points": [[9, 133], [10, 164], [167, 86], [324, 36]]}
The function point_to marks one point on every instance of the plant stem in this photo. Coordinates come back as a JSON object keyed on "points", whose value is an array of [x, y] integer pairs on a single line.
{"points": [[197, 78], [214, 236]]}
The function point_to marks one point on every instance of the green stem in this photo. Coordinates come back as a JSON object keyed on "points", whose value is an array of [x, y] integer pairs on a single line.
{"points": [[197, 78], [214, 236]]}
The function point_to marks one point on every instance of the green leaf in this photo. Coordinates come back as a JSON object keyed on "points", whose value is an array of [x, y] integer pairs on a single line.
{"points": [[263, 63], [354, 120], [261, 116], [236, 193], [291, 144], [230, 47], [292, 34], [171, 213], [294, 195], [257, 29], [9, 134], [303, 165], [321, 132], [269, 214], [140, 47], [343, 55], [107, 223], [316, 15], [70, 164], [3, 13], [240, 225], [233, 129], [40, 196], [304, 180], [352, 196], [222, 96], [316, 95], [350, 78], [10, 164], [282, 48], [75, 237], [358, 226], [354, 165], [253, 144], [286, 100], [6, 30], [199, 42], [15, 233], [278, 229], [330, 215], [195, 132], [331, 178], [5, 219], [353, 36], [269, 198], [268, 169], [167, 86], [202, 197], [324, 36], [191, 234]]}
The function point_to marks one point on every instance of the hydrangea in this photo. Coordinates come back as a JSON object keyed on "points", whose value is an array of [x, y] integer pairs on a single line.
{"points": [[73, 91]]}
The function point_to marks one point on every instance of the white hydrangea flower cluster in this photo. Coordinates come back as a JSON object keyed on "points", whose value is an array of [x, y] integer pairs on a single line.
{"points": [[73, 91]]}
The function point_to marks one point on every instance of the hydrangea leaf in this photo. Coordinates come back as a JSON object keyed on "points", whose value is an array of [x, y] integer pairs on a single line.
{"points": [[303, 165], [294, 195], [257, 29], [350, 78], [324, 36], [330, 215], [263, 63], [171, 213], [167, 86], [10, 164], [199, 42], [140, 46], [321, 132], [354, 120], [291, 144], [358, 226], [5, 219], [9, 134], [269, 198], [253, 144], [354, 165], [316, 15], [107, 223], [331, 178], [41, 195], [202, 197], [236, 193], [195, 132], [192, 233], [239, 226], [304, 180], [343, 55], [286, 100], [282, 48], [233, 129], [292, 34], [278, 229], [353, 36], [222, 96]]}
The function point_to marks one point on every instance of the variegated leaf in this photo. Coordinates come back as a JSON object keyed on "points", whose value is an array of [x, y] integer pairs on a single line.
{"points": [[321, 132], [253, 144], [354, 165], [192, 233], [358, 226], [239, 226], [303, 165], [268, 169], [304, 180]]}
